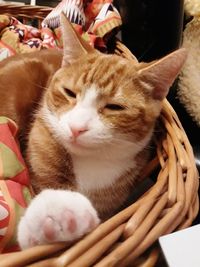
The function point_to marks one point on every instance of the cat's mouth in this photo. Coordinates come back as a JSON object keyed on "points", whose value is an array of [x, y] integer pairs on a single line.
{"points": [[76, 143], [76, 147]]}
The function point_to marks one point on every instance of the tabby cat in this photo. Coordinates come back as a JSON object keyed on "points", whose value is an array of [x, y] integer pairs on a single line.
{"points": [[87, 118]]}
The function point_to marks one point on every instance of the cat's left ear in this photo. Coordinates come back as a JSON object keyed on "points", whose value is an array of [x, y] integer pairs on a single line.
{"points": [[73, 44], [160, 75]]}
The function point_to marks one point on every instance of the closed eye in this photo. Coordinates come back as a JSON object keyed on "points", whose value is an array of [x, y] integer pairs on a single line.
{"points": [[114, 107], [69, 93]]}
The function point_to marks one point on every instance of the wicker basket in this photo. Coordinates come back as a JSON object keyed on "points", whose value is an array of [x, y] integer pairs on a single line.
{"points": [[129, 238], [25, 12]]}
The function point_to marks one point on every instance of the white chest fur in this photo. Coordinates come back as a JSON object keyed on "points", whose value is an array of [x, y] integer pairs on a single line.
{"points": [[94, 173], [103, 167]]}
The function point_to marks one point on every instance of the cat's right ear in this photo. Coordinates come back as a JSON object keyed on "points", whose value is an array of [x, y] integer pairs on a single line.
{"points": [[158, 76], [73, 44]]}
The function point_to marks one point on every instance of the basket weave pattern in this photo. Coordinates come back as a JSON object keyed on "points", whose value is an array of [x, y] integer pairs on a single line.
{"points": [[170, 204], [25, 12]]}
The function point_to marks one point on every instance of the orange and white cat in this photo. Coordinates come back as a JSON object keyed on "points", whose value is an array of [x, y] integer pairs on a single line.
{"points": [[90, 132]]}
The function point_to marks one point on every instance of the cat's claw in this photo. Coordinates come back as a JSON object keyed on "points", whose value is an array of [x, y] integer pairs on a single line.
{"points": [[56, 215]]}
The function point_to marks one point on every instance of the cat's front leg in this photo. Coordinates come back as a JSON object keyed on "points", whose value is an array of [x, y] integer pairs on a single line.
{"points": [[56, 215]]}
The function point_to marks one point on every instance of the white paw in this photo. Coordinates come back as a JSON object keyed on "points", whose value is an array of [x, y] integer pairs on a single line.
{"points": [[56, 215]]}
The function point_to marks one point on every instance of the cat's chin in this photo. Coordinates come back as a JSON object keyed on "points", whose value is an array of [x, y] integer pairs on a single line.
{"points": [[78, 148], [83, 148]]}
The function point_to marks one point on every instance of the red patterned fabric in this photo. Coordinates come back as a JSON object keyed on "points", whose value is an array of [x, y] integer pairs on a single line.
{"points": [[94, 20], [15, 191]]}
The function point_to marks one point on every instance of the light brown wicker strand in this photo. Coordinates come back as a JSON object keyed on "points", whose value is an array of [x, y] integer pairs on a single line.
{"points": [[190, 187], [169, 116], [50, 262], [181, 155], [159, 187], [195, 209], [172, 180], [135, 221], [22, 258], [179, 148], [164, 150], [181, 199], [151, 260], [180, 196], [176, 130], [161, 157]]}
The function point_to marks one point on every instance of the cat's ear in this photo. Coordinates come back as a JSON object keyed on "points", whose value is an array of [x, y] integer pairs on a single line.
{"points": [[160, 75], [73, 45]]}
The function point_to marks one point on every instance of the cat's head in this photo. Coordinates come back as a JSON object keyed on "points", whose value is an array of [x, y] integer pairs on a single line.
{"points": [[98, 101]]}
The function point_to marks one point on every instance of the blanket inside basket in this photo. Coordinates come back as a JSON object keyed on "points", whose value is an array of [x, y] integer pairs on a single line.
{"points": [[15, 192], [101, 20]]}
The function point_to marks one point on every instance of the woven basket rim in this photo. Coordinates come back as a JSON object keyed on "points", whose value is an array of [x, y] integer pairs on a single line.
{"points": [[170, 204], [25, 11]]}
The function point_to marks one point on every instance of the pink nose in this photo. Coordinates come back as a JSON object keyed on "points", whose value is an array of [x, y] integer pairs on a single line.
{"points": [[76, 131]]}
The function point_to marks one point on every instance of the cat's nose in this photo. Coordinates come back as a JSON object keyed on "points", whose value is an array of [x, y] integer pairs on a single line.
{"points": [[76, 131]]}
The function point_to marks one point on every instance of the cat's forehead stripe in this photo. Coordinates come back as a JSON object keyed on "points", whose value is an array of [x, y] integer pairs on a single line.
{"points": [[105, 71]]}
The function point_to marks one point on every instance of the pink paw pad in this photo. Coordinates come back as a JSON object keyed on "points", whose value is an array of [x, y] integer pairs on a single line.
{"points": [[69, 222], [52, 227], [49, 229]]}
